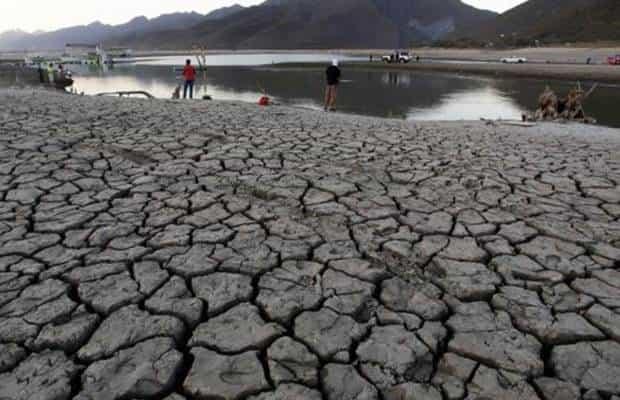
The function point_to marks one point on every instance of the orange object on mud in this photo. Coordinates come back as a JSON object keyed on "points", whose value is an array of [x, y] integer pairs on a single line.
{"points": [[263, 101]]}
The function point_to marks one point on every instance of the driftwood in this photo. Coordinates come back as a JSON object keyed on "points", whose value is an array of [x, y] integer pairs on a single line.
{"points": [[128, 93], [569, 108], [547, 105]]}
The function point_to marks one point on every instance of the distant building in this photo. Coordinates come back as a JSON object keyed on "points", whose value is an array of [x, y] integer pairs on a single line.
{"points": [[120, 52], [82, 53], [80, 49]]}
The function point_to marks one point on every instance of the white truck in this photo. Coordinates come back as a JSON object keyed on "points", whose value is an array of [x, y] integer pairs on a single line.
{"points": [[513, 60], [397, 57]]}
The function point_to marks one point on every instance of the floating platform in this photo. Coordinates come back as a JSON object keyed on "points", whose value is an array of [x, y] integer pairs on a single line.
{"points": [[21, 75]]}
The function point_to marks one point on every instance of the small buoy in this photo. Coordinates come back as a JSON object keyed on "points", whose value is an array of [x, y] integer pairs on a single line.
{"points": [[263, 101]]}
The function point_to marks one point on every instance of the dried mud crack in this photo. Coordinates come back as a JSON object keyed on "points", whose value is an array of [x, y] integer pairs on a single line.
{"points": [[168, 250]]}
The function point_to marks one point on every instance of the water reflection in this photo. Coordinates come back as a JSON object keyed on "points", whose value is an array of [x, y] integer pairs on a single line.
{"points": [[487, 102], [396, 79], [398, 94], [159, 85]]}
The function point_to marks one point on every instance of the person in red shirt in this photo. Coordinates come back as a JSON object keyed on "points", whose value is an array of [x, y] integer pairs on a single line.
{"points": [[189, 74]]}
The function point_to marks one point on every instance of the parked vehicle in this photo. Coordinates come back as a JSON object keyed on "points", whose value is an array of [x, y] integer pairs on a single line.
{"points": [[614, 60], [398, 57], [514, 60]]}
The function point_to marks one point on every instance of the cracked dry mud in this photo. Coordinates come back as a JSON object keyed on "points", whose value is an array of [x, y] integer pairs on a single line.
{"points": [[167, 250]]}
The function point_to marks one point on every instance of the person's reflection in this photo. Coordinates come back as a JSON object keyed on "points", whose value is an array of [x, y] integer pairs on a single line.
{"points": [[390, 78], [397, 79]]}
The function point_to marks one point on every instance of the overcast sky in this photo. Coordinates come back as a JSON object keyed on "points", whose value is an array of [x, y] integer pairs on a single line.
{"points": [[30, 15]]}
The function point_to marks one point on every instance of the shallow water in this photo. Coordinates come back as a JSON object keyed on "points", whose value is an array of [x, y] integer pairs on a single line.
{"points": [[397, 94]]}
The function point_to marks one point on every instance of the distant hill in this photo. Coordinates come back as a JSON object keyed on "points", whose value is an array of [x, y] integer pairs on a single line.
{"points": [[12, 36], [550, 21], [96, 32], [308, 24], [54, 40]]}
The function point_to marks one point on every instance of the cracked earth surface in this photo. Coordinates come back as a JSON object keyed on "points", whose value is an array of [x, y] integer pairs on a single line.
{"points": [[162, 250]]}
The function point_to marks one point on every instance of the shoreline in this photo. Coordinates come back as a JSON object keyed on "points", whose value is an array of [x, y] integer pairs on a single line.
{"points": [[566, 72], [559, 54], [607, 74], [555, 55], [558, 63]]}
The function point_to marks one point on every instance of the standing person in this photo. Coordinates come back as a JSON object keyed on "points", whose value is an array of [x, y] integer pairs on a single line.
{"points": [[41, 73], [333, 78], [50, 73], [189, 74]]}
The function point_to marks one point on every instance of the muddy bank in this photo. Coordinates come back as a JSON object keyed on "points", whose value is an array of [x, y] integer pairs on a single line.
{"points": [[557, 55], [600, 73]]}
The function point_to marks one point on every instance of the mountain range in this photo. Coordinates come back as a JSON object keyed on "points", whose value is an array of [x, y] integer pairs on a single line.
{"points": [[274, 24], [97, 32], [310, 24], [313, 24]]}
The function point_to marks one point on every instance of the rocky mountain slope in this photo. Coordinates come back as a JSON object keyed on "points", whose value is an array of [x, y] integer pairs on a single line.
{"points": [[550, 21], [224, 12], [286, 24]]}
